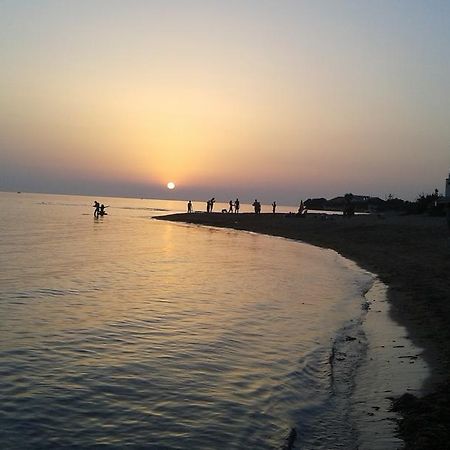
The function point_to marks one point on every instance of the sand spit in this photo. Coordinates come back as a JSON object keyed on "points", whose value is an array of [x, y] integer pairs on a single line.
{"points": [[411, 255]]}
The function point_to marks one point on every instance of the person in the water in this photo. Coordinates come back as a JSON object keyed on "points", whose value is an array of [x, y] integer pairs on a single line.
{"points": [[96, 205], [102, 210]]}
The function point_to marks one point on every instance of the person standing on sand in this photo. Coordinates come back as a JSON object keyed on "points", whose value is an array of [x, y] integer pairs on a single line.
{"points": [[236, 206], [257, 206], [211, 204], [274, 207], [230, 210], [189, 207], [208, 206]]}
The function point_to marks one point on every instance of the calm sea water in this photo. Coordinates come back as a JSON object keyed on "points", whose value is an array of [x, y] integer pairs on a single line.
{"points": [[130, 332]]}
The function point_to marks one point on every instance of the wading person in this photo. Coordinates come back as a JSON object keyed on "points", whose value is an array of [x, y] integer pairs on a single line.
{"points": [[96, 205]]}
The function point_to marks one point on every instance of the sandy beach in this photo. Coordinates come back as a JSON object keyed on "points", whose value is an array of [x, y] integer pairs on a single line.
{"points": [[411, 255]]}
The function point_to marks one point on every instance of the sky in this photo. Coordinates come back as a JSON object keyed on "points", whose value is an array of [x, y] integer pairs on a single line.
{"points": [[280, 100]]}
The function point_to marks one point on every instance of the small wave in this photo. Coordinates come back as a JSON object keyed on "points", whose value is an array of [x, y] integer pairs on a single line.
{"points": [[132, 208], [347, 353], [43, 293], [60, 204]]}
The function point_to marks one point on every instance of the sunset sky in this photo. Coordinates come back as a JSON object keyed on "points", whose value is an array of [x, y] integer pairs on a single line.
{"points": [[281, 100]]}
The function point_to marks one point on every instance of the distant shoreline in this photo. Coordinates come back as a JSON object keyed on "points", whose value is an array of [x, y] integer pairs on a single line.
{"points": [[410, 254]]}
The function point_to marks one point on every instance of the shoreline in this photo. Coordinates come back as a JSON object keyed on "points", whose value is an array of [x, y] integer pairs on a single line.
{"points": [[410, 256], [391, 365]]}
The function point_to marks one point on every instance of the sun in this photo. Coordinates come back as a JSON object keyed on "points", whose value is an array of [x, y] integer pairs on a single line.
{"points": [[171, 185]]}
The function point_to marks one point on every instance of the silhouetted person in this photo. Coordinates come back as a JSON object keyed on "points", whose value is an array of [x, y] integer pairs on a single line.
{"points": [[96, 205], [236, 206], [189, 207], [208, 206], [274, 207], [211, 202], [102, 210], [230, 209], [301, 208], [257, 206]]}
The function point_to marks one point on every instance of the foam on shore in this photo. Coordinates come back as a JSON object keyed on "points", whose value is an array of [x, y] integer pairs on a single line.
{"points": [[391, 367]]}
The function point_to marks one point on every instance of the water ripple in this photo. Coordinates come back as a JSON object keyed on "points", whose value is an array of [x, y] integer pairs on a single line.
{"points": [[130, 333]]}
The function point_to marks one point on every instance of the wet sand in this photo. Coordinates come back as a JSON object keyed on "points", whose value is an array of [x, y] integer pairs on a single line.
{"points": [[411, 255]]}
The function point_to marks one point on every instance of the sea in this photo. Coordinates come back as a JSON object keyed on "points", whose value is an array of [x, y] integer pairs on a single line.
{"points": [[124, 331]]}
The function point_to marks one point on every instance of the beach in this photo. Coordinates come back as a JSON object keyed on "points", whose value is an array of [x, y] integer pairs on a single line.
{"points": [[410, 254]]}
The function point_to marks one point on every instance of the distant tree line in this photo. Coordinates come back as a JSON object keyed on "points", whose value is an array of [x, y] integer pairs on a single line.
{"points": [[349, 203]]}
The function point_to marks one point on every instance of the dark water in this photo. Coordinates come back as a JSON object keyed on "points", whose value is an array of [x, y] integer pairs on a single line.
{"points": [[126, 332]]}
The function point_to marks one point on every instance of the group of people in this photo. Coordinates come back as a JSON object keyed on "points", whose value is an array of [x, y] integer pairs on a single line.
{"points": [[257, 205], [234, 207], [99, 210], [210, 205]]}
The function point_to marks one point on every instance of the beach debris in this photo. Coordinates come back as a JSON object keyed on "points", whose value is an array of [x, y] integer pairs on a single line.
{"points": [[365, 306], [405, 402], [290, 440]]}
